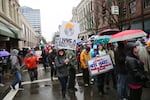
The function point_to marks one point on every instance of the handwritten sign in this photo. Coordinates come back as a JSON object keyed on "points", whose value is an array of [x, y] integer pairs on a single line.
{"points": [[68, 35], [99, 65]]}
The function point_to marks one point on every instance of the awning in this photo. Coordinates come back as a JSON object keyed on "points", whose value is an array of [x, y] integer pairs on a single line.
{"points": [[10, 32], [6, 31], [16, 32]]}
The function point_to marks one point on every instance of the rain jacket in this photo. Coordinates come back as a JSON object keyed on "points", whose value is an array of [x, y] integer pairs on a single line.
{"points": [[72, 58], [30, 61], [15, 65], [84, 57], [136, 74], [61, 67]]}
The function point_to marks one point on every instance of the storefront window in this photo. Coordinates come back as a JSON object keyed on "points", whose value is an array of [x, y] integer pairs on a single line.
{"points": [[132, 6], [146, 3]]}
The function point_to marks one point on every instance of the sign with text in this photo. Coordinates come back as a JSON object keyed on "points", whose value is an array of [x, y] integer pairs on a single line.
{"points": [[68, 35], [99, 65], [115, 10]]}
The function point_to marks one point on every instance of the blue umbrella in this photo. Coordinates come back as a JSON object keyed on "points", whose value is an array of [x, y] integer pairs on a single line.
{"points": [[79, 42], [102, 39], [4, 53]]}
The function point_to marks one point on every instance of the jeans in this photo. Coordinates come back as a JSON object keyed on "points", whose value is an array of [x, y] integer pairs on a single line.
{"points": [[63, 82], [122, 86], [18, 79]]}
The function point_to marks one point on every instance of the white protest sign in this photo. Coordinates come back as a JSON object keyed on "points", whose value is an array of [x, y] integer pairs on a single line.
{"points": [[68, 35], [99, 65]]}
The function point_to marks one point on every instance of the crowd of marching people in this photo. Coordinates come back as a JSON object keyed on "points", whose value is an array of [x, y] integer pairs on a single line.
{"points": [[131, 66]]}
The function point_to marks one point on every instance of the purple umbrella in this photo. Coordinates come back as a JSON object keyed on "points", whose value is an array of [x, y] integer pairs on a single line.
{"points": [[4, 53]]}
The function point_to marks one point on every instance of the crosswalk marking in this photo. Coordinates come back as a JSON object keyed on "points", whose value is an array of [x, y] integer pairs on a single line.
{"points": [[12, 92]]}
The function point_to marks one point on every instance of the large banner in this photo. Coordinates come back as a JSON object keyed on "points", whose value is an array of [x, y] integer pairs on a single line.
{"points": [[99, 65], [68, 35]]}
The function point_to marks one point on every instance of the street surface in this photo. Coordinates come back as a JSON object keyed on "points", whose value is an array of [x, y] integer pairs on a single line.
{"points": [[45, 89]]}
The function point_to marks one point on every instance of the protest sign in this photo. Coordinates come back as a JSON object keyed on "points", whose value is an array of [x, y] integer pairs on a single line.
{"points": [[68, 35], [99, 65]]}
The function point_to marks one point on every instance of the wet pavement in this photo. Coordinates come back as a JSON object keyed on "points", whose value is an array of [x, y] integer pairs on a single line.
{"points": [[45, 89]]}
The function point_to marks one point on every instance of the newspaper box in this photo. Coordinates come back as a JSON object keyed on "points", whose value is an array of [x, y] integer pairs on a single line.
{"points": [[99, 65]]}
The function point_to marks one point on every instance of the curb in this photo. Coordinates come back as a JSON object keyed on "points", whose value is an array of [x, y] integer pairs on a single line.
{"points": [[4, 92], [5, 89]]}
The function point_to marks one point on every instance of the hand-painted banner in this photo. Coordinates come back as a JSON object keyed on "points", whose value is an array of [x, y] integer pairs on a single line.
{"points": [[68, 35], [99, 65], [65, 43]]}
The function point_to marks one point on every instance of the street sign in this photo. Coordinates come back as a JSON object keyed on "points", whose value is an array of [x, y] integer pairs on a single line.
{"points": [[115, 10]]}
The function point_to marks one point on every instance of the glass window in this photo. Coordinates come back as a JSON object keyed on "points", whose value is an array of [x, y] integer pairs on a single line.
{"points": [[132, 6], [146, 3]]}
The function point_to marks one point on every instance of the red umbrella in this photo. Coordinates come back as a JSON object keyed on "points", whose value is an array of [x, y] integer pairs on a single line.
{"points": [[109, 32], [127, 34]]}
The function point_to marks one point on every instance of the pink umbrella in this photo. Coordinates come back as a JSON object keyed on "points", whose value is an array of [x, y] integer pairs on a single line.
{"points": [[109, 32], [126, 35]]}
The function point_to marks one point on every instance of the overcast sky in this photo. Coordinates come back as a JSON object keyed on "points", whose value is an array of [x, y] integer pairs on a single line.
{"points": [[53, 12]]}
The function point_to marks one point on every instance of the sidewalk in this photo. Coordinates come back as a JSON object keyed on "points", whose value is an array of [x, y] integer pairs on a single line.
{"points": [[8, 78], [5, 89]]}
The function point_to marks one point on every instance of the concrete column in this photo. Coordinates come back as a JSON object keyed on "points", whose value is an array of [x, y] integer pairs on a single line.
{"points": [[7, 8], [0, 5]]}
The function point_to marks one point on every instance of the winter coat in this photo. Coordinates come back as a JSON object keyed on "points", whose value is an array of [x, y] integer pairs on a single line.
{"points": [[60, 65], [72, 58], [112, 55], [120, 61], [84, 57], [135, 68], [51, 57], [15, 65], [30, 61]]}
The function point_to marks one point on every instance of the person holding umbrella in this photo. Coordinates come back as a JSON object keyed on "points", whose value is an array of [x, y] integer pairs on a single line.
{"points": [[136, 74], [121, 71]]}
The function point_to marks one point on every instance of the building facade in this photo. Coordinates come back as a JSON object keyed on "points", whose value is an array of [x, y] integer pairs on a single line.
{"points": [[12, 25], [83, 14], [33, 17], [10, 34], [31, 38], [95, 15]]}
